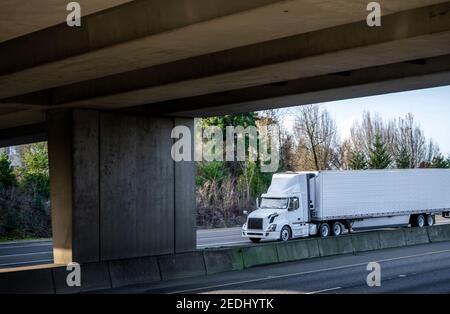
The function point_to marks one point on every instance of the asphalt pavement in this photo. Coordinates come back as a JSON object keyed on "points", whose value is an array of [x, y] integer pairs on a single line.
{"points": [[26, 253], [413, 269], [35, 252]]}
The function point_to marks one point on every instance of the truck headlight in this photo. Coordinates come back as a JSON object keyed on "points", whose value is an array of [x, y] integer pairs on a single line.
{"points": [[272, 228]]}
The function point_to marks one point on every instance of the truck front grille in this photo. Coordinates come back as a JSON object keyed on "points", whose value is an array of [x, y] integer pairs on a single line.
{"points": [[255, 223]]}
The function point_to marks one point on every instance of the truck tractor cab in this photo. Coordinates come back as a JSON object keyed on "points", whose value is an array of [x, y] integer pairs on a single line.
{"points": [[283, 212]]}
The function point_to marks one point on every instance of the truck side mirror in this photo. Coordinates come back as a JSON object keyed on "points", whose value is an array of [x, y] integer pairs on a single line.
{"points": [[245, 212], [258, 201]]}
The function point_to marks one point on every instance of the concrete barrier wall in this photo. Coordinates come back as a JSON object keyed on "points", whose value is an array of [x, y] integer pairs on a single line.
{"points": [[105, 275], [391, 239], [439, 233], [94, 276], [335, 245], [134, 271], [363, 242], [223, 260], [260, 255], [183, 265], [298, 250], [415, 236], [27, 281]]}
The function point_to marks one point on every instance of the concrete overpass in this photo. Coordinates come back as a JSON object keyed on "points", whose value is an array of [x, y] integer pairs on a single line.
{"points": [[106, 95]]}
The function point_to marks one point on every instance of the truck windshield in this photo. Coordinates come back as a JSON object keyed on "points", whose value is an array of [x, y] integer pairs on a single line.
{"points": [[277, 203]]}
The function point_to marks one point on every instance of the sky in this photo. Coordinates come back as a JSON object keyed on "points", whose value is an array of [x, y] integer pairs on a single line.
{"points": [[431, 109]]}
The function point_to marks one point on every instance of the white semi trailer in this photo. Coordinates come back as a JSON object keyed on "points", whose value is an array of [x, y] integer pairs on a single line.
{"points": [[327, 203]]}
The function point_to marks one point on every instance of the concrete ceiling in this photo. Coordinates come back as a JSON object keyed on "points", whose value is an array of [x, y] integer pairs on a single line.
{"points": [[187, 29], [154, 51], [389, 78], [18, 17]]}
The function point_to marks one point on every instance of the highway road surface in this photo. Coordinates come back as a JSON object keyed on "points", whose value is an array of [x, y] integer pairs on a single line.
{"points": [[25, 253], [413, 269]]}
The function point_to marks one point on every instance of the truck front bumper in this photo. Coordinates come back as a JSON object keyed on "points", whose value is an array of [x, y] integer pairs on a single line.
{"points": [[260, 234]]}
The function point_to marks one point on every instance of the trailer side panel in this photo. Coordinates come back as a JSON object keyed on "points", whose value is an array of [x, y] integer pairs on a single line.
{"points": [[374, 193]]}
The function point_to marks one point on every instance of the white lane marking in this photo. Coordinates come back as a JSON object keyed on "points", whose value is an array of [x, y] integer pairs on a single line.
{"points": [[324, 290], [32, 262], [223, 243], [26, 254], [220, 237], [36, 241], [223, 285], [7, 247], [219, 230], [219, 240], [306, 272]]}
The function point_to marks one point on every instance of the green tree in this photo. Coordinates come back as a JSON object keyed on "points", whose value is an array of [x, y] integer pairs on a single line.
{"points": [[35, 171], [224, 189], [403, 160], [214, 171], [7, 177], [379, 157], [440, 162], [35, 159], [358, 160], [244, 120], [25, 207]]}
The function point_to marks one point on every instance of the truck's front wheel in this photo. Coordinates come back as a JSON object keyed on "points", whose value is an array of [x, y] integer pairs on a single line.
{"points": [[324, 230], [285, 233]]}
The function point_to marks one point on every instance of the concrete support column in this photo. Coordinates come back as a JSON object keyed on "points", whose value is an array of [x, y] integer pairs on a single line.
{"points": [[60, 164], [115, 190], [73, 138]]}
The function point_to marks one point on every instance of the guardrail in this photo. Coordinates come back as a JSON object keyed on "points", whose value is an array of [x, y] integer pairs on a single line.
{"points": [[111, 274]]}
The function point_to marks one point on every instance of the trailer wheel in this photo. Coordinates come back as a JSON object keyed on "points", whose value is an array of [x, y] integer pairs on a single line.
{"points": [[255, 240], [285, 233], [430, 220], [337, 229], [420, 221], [324, 230]]}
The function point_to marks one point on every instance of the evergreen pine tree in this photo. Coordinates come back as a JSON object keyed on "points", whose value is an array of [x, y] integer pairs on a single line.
{"points": [[7, 177], [403, 160], [439, 162], [379, 157], [358, 160]]}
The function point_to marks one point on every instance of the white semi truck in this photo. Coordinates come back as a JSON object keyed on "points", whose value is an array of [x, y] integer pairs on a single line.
{"points": [[327, 203]]}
